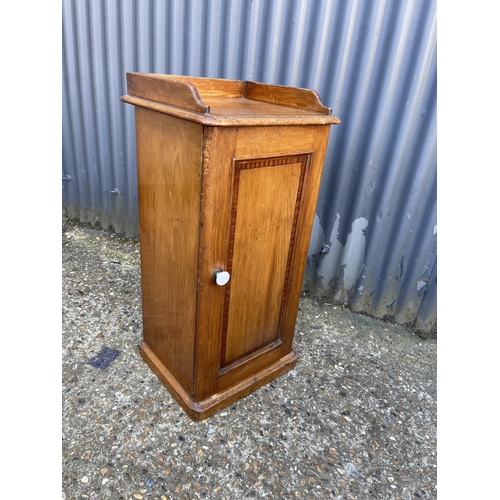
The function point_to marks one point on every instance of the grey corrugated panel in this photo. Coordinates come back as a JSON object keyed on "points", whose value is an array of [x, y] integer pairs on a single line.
{"points": [[372, 61], [376, 202]]}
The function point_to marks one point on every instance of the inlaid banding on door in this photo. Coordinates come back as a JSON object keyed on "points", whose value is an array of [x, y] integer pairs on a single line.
{"points": [[265, 208]]}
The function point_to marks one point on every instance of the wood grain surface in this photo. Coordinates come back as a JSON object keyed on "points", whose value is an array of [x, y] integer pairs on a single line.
{"points": [[225, 102], [233, 187], [200, 410], [169, 169], [293, 97], [222, 148], [243, 107], [264, 215], [218, 151], [211, 87], [181, 94]]}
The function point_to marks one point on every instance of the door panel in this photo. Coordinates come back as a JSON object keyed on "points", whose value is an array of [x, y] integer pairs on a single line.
{"points": [[264, 213]]}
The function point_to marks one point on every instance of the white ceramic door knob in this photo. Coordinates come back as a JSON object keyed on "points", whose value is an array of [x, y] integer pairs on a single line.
{"points": [[221, 277]]}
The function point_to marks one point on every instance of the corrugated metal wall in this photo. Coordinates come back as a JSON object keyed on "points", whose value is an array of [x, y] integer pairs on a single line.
{"points": [[372, 61]]}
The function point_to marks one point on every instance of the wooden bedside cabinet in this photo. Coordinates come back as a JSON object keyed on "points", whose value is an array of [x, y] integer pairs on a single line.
{"points": [[228, 175]]}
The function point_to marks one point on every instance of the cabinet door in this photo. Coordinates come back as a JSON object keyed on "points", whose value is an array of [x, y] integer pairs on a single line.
{"points": [[259, 191], [265, 205]]}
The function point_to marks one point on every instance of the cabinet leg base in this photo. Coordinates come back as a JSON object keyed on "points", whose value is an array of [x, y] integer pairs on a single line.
{"points": [[200, 410]]}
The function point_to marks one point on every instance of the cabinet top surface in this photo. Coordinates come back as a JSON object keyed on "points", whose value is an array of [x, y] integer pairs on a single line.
{"points": [[225, 102]]}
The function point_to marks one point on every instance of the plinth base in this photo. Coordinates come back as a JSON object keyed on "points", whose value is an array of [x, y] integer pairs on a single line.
{"points": [[200, 410]]}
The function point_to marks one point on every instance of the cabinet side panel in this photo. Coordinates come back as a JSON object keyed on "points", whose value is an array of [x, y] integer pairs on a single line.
{"points": [[169, 176], [304, 228]]}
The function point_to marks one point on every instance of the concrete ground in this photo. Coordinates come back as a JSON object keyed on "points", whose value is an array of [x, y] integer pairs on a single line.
{"points": [[355, 419]]}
